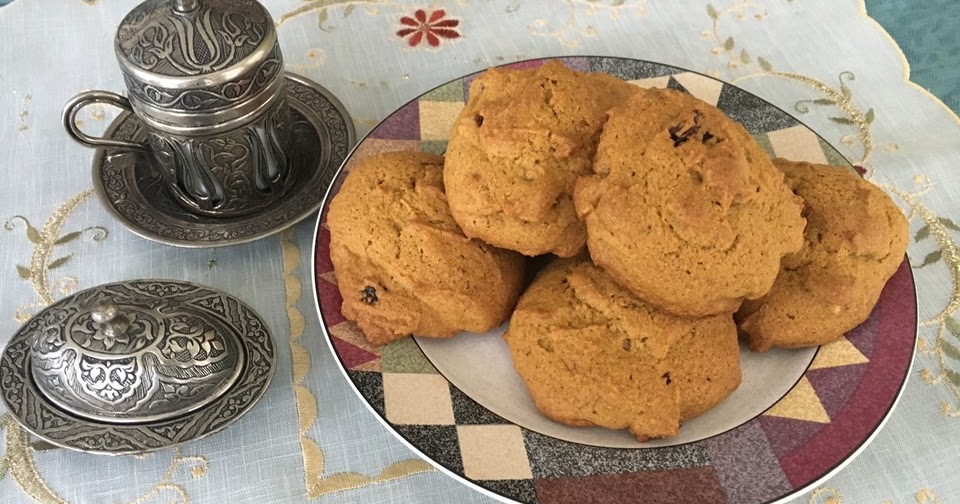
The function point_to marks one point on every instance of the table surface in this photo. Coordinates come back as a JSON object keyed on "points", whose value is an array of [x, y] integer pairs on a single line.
{"points": [[311, 439]]}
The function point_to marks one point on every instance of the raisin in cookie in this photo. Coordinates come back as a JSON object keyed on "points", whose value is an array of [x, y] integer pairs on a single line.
{"points": [[592, 354], [685, 209], [854, 241], [402, 264], [516, 150]]}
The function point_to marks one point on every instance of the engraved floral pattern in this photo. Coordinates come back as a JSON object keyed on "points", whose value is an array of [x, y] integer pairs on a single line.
{"points": [[109, 380]]}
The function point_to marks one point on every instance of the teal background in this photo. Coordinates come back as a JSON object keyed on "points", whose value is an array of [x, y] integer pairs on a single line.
{"points": [[928, 32]]}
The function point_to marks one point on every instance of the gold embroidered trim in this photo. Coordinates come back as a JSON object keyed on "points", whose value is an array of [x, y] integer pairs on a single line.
{"points": [[197, 470], [344, 481], [947, 251], [21, 464], [306, 402], [44, 242], [840, 97], [313, 458]]}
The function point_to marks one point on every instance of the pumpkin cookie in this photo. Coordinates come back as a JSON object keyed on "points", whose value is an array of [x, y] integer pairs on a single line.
{"points": [[402, 264], [591, 353], [855, 240], [516, 150], [685, 209]]}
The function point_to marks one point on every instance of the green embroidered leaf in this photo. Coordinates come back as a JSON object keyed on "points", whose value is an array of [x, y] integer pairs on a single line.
{"points": [[99, 233], [728, 44], [322, 18], [744, 56], [32, 234], [764, 64], [953, 326], [841, 120], [4, 466], [950, 350], [24, 272], [824, 101], [348, 10], [844, 90], [712, 11], [953, 376], [922, 233], [67, 238], [56, 263], [949, 223], [41, 445], [931, 258], [869, 116]]}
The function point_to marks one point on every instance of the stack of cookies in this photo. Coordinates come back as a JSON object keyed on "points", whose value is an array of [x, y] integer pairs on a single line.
{"points": [[669, 228]]}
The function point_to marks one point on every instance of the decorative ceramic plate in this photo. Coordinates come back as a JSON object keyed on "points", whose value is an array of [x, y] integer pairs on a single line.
{"points": [[797, 417]]}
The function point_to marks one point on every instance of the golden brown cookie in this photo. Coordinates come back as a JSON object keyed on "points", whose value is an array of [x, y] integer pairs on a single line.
{"points": [[685, 209], [402, 264], [855, 240], [591, 353], [516, 150]]}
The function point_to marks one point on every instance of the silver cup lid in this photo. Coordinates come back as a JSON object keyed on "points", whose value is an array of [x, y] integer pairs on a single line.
{"points": [[183, 58], [134, 352]]}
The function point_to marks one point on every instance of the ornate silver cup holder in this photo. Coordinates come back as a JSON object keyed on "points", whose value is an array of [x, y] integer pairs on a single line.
{"points": [[130, 186]]}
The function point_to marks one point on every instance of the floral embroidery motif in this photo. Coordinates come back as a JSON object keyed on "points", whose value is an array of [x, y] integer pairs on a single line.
{"points": [[318, 481], [44, 241], [432, 28]]}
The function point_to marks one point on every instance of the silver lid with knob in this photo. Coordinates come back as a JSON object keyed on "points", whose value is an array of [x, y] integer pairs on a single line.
{"points": [[136, 366]]}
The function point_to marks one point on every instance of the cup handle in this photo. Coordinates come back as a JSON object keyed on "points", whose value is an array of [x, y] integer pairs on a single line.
{"points": [[73, 107]]}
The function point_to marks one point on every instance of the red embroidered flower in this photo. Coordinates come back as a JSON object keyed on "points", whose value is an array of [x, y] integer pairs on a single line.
{"points": [[433, 28]]}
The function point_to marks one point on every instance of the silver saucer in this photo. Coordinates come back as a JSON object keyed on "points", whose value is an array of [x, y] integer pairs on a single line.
{"points": [[130, 188], [186, 361]]}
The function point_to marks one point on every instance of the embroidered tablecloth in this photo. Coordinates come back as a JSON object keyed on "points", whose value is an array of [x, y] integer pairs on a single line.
{"points": [[311, 439]]}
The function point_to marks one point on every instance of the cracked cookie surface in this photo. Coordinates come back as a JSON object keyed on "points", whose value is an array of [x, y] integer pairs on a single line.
{"points": [[592, 354], [516, 150], [684, 208], [854, 241], [402, 264]]}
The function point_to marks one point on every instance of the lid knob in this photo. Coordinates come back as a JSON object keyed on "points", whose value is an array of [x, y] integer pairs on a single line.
{"points": [[184, 6], [108, 318]]}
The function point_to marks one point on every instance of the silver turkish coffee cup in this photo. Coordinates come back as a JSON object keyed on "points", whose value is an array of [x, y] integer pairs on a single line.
{"points": [[206, 80]]}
